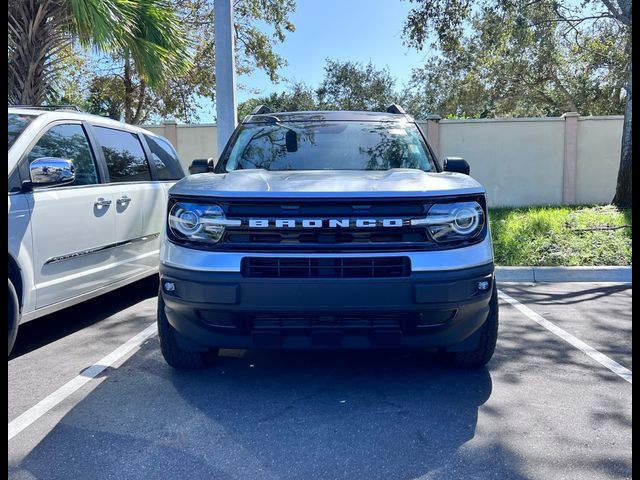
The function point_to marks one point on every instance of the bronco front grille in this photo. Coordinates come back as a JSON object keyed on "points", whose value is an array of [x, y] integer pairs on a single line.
{"points": [[348, 267], [332, 225]]}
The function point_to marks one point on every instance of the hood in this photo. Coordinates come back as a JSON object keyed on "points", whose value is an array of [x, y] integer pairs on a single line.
{"points": [[398, 182]]}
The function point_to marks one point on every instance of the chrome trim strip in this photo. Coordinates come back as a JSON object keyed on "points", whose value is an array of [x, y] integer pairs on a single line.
{"points": [[89, 251], [224, 222], [176, 256]]}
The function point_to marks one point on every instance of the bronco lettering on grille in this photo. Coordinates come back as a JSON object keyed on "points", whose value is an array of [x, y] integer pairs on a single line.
{"points": [[324, 223]]}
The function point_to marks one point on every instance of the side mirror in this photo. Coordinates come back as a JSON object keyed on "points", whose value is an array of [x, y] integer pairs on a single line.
{"points": [[50, 171], [456, 164], [201, 165]]}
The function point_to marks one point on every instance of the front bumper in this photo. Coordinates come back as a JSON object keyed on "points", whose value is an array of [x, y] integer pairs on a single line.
{"points": [[426, 309]]}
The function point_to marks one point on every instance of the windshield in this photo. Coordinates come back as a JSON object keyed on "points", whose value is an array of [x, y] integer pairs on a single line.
{"points": [[339, 145], [17, 123]]}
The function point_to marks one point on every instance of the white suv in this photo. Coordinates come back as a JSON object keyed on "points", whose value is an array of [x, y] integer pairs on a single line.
{"points": [[87, 199]]}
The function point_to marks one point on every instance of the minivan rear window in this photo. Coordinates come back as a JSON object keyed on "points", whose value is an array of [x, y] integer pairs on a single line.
{"points": [[125, 157], [164, 158]]}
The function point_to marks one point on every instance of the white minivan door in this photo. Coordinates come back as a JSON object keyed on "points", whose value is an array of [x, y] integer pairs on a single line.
{"points": [[73, 225]]}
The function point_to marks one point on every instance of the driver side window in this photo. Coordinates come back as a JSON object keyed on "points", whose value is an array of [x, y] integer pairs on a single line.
{"points": [[70, 143]]}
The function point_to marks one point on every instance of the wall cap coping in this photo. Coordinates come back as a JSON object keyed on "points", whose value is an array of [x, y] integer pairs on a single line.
{"points": [[196, 125], [180, 125], [601, 117], [504, 119]]}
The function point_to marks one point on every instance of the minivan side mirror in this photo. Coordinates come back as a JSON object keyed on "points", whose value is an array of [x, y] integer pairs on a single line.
{"points": [[201, 165], [50, 171], [456, 164]]}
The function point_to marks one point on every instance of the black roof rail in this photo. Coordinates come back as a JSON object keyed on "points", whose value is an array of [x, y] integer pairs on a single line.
{"points": [[48, 107], [260, 109], [395, 108]]}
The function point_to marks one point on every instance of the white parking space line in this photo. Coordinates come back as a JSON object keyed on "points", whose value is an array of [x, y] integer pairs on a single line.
{"points": [[42, 407], [601, 358]]}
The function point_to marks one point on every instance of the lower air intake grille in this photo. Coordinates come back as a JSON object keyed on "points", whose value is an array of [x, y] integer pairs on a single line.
{"points": [[352, 267]]}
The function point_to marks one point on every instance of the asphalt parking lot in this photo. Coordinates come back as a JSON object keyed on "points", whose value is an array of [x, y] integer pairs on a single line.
{"points": [[543, 408]]}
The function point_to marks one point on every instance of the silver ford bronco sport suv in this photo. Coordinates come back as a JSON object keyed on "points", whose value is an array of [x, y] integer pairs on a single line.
{"points": [[327, 230]]}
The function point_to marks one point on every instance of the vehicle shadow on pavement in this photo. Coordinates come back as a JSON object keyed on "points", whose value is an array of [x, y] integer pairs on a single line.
{"points": [[277, 414], [573, 296], [42, 331], [556, 394], [526, 345]]}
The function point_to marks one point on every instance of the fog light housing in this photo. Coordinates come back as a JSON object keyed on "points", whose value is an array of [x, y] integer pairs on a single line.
{"points": [[169, 287], [483, 286]]}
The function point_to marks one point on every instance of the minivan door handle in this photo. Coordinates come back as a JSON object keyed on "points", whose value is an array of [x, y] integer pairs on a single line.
{"points": [[101, 202], [124, 200]]}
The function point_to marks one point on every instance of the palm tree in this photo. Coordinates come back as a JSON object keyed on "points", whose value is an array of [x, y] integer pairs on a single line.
{"points": [[146, 33]]}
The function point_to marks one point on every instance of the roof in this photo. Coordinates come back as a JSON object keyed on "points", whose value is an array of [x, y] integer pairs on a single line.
{"points": [[328, 115], [47, 116]]}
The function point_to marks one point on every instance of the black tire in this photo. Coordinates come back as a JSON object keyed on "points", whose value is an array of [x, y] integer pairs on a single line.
{"points": [[13, 315], [486, 344], [174, 355]]}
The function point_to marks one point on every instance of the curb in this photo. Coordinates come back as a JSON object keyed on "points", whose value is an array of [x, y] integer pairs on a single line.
{"points": [[563, 274]]}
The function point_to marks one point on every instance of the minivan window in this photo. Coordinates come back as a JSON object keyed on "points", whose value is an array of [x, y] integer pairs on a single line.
{"points": [[330, 145], [68, 141], [164, 158], [124, 155]]}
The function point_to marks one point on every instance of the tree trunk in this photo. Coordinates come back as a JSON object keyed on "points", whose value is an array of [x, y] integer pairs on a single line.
{"points": [[142, 93], [622, 197], [32, 37]]}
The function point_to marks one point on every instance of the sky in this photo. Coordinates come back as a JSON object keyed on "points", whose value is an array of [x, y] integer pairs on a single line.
{"points": [[345, 30]]}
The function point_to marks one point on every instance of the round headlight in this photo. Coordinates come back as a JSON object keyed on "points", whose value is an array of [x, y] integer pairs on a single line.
{"points": [[447, 222], [187, 222], [195, 222], [465, 220]]}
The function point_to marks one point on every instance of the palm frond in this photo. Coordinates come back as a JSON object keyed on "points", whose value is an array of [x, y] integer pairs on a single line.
{"points": [[148, 29]]}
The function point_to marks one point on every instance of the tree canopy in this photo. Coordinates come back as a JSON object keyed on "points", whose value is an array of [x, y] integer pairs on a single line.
{"points": [[353, 86], [516, 58], [41, 34], [525, 58], [346, 86], [259, 26], [298, 97]]}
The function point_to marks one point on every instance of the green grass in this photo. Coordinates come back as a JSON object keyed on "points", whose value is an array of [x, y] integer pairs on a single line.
{"points": [[569, 236]]}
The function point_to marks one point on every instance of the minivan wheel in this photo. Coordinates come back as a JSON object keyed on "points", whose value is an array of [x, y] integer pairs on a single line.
{"points": [[173, 354], [13, 315], [486, 343]]}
